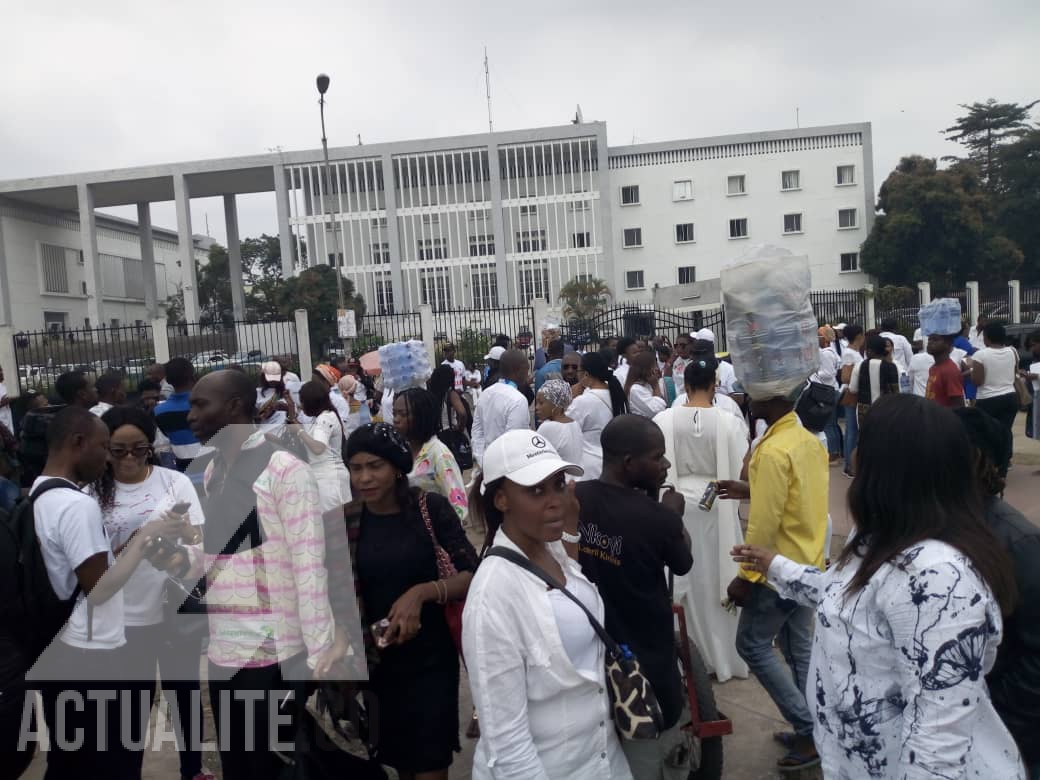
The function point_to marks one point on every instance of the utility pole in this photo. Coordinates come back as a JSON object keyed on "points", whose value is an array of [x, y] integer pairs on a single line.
{"points": [[487, 86], [323, 86]]}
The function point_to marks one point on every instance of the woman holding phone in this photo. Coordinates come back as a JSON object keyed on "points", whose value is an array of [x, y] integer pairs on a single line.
{"points": [[133, 491], [395, 534]]}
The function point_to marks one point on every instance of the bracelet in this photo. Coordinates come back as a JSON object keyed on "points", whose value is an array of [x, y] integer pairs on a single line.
{"points": [[442, 591], [572, 538]]}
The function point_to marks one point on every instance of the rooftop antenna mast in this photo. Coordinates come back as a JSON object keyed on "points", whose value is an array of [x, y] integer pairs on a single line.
{"points": [[487, 85]]}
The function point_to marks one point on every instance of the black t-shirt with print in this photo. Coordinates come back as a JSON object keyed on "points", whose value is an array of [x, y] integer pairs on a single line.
{"points": [[627, 540]]}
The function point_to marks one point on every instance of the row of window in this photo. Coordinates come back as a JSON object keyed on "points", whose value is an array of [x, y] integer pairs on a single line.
{"points": [[632, 238], [736, 184], [687, 274]]}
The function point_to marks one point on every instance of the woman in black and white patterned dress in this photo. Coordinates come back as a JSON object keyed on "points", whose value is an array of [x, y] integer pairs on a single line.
{"points": [[909, 619]]}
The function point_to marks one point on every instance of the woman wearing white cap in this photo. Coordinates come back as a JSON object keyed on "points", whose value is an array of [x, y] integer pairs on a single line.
{"points": [[536, 666]]}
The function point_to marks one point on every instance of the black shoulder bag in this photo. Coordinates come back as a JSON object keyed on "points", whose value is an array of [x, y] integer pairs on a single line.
{"points": [[637, 714]]}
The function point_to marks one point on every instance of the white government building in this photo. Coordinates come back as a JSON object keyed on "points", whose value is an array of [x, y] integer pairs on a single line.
{"points": [[478, 221]]}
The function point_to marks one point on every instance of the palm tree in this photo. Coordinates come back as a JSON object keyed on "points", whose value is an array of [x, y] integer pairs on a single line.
{"points": [[584, 297]]}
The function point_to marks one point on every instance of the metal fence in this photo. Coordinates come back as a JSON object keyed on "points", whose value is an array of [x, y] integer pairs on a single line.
{"points": [[42, 355], [244, 344], [379, 329], [834, 306], [473, 330], [1030, 304], [641, 321]]}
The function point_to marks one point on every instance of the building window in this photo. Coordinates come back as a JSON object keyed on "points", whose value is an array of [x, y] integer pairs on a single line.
{"points": [[529, 211], [684, 233], [630, 195], [790, 180], [580, 205], [846, 175], [846, 219], [792, 223], [481, 246], [633, 237], [384, 296], [534, 281], [687, 274], [379, 223], [56, 320], [738, 228], [849, 262], [381, 253], [531, 240], [336, 259], [736, 185], [431, 248], [485, 289], [682, 189], [634, 280], [435, 290], [431, 219], [478, 216], [583, 278], [55, 270], [581, 240]]}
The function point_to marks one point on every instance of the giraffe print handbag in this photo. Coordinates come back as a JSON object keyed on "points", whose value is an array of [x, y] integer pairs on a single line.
{"points": [[636, 712]]}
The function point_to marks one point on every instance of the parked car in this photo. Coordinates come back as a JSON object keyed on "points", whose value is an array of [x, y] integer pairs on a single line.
{"points": [[211, 360], [252, 358]]}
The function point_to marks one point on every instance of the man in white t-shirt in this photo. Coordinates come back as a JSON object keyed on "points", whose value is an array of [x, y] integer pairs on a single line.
{"points": [[79, 561], [502, 407], [920, 364], [6, 418], [902, 352], [448, 351]]}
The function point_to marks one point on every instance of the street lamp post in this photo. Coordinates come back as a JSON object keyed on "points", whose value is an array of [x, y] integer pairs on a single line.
{"points": [[323, 86]]}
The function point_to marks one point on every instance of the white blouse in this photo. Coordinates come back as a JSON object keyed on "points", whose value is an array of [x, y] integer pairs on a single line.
{"points": [[897, 675], [541, 718], [642, 401], [592, 410]]}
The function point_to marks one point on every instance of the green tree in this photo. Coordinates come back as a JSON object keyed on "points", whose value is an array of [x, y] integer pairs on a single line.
{"points": [[472, 346], [213, 283], [984, 129], [936, 226], [1018, 203], [315, 290], [584, 298]]}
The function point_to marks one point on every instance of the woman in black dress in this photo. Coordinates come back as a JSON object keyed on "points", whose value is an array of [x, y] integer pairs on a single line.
{"points": [[413, 662]]}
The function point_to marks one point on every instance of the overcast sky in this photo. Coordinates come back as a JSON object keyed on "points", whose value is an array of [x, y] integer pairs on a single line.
{"points": [[111, 83]]}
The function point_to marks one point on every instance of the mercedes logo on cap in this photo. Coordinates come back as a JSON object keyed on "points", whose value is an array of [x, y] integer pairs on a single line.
{"points": [[538, 442]]}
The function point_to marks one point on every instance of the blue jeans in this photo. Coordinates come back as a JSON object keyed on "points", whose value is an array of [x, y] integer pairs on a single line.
{"points": [[764, 617], [851, 435], [833, 433]]}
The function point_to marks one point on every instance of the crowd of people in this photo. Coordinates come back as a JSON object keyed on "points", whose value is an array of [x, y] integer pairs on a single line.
{"points": [[534, 523]]}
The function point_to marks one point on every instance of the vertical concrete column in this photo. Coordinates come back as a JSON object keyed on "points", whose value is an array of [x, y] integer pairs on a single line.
{"points": [[868, 292], [238, 294], [6, 317], [428, 330], [8, 362], [313, 253], [603, 208], [285, 236], [186, 247], [303, 340], [393, 236], [160, 339], [973, 302], [1015, 296], [91, 261], [498, 225], [924, 293], [151, 286], [540, 313]]}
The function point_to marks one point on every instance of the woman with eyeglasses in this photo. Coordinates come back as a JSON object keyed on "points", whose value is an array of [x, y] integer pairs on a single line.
{"points": [[133, 491]]}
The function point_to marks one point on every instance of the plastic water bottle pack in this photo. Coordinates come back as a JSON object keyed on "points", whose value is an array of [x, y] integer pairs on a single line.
{"points": [[404, 364]]}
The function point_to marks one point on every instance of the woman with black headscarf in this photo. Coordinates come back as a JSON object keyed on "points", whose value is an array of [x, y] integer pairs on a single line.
{"points": [[397, 536]]}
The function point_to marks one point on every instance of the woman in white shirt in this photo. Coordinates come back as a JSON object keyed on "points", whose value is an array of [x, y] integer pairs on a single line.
{"points": [[909, 619], [851, 356], [643, 387], [322, 437], [132, 492], [993, 371], [536, 667], [602, 400], [551, 404]]}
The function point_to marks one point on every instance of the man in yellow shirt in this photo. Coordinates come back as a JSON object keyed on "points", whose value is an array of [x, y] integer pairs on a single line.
{"points": [[787, 485]]}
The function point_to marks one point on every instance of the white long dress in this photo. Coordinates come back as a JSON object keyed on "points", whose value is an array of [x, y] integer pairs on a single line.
{"points": [[328, 467], [703, 445]]}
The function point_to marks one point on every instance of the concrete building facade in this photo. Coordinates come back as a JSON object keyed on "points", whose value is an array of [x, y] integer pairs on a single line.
{"points": [[479, 221]]}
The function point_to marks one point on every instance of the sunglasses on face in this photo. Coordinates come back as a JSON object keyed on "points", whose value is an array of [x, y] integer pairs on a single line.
{"points": [[140, 451]]}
